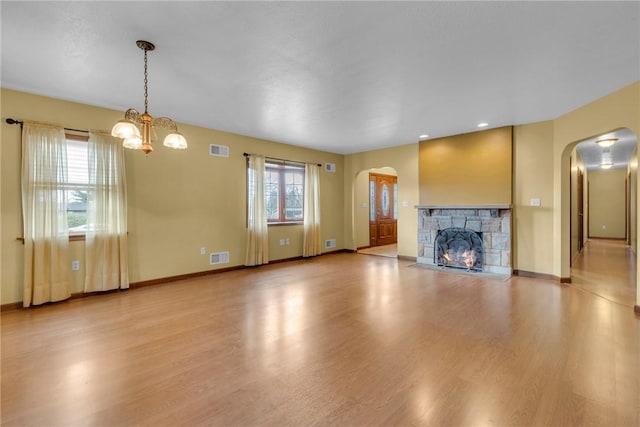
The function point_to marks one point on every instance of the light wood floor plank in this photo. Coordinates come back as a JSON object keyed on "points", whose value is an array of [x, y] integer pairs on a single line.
{"points": [[344, 339]]}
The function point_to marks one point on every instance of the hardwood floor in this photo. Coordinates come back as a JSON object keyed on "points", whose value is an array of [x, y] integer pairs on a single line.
{"points": [[341, 339], [606, 268], [390, 251]]}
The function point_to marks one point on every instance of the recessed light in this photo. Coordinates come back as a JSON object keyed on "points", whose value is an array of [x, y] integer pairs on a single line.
{"points": [[483, 124], [423, 136]]}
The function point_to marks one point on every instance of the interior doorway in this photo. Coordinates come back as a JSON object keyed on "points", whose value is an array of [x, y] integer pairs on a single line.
{"points": [[366, 204], [383, 212]]}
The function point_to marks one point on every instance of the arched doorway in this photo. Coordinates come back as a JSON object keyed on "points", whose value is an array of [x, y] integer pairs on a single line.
{"points": [[603, 214], [376, 211]]}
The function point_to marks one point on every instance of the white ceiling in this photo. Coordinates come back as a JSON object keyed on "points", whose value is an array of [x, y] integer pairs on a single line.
{"points": [[621, 151], [337, 76]]}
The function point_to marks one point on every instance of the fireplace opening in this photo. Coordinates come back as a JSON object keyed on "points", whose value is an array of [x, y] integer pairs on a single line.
{"points": [[459, 248]]}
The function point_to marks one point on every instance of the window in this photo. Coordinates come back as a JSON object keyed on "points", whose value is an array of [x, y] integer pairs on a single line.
{"points": [[284, 192], [77, 184]]}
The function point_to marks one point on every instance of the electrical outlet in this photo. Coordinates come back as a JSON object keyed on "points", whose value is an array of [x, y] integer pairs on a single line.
{"points": [[287, 241], [604, 227], [75, 265], [203, 251], [281, 242], [535, 202]]}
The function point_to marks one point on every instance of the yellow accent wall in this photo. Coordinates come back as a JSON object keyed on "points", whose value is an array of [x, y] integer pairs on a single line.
{"points": [[469, 169], [607, 203], [178, 200]]}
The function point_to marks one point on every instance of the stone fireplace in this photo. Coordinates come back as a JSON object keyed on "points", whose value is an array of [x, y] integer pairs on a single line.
{"points": [[476, 238]]}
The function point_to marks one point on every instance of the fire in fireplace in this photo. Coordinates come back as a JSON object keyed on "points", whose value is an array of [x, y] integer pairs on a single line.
{"points": [[459, 248]]}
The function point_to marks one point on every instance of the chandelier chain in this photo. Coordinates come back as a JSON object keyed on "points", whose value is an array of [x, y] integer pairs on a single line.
{"points": [[146, 80]]}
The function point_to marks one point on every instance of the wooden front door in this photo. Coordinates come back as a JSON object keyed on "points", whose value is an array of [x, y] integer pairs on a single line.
{"points": [[383, 211]]}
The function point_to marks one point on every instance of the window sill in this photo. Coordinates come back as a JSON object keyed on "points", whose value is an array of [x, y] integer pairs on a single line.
{"points": [[76, 237], [285, 223]]}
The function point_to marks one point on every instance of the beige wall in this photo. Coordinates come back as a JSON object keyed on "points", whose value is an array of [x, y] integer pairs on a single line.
{"points": [[576, 165], [404, 160], [179, 201], [618, 110], [533, 179], [633, 201], [469, 169], [361, 206], [607, 203]]}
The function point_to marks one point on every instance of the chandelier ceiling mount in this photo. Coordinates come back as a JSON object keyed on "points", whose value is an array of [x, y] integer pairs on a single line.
{"points": [[138, 131]]}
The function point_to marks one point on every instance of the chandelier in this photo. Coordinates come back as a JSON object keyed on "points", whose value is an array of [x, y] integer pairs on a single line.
{"points": [[138, 131]]}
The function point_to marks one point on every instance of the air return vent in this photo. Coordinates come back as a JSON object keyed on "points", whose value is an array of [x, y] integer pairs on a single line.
{"points": [[330, 243], [330, 167], [219, 258], [218, 150]]}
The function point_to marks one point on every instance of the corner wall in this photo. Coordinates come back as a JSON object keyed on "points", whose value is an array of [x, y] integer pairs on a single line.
{"points": [[533, 179], [404, 160], [620, 109]]}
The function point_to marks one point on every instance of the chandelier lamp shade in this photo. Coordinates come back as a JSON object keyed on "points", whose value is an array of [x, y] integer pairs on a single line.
{"points": [[138, 131]]}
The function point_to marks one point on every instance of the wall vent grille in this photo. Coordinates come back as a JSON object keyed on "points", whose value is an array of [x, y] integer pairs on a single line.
{"points": [[219, 258], [330, 167], [330, 243], [218, 150]]}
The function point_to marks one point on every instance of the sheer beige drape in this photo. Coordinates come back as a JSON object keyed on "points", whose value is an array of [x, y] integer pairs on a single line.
{"points": [[44, 212], [257, 230], [312, 244], [106, 237]]}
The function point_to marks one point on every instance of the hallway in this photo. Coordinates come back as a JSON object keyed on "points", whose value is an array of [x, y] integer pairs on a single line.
{"points": [[606, 268]]}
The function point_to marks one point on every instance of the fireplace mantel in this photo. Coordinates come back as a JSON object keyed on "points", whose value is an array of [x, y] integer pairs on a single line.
{"points": [[462, 206]]}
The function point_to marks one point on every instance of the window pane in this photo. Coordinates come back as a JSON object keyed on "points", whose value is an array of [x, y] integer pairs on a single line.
{"points": [[272, 194], [294, 195], [395, 201], [372, 200], [77, 186], [77, 162]]}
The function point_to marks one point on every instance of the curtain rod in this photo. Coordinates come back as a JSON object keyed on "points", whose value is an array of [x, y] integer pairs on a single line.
{"points": [[19, 122], [282, 160]]}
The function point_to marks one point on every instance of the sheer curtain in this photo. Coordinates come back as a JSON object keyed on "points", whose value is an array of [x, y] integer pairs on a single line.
{"points": [[312, 244], [106, 237], [257, 230], [44, 213]]}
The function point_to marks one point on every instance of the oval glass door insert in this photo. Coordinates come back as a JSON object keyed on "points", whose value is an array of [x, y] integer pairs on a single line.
{"points": [[385, 200]]}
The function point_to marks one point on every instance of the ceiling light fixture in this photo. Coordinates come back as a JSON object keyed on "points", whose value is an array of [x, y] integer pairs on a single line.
{"points": [[134, 122], [606, 165], [423, 136], [606, 142], [483, 125], [606, 162]]}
